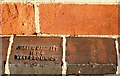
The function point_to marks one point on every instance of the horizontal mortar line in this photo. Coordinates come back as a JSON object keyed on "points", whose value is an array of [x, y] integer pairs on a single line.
{"points": [[61, 35], [91, 64], [40, 2], [55, 35], [5, 35], [118, 35], [67, 35], [36, 64]]}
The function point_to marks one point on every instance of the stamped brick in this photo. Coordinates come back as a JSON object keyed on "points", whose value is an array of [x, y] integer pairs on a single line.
{"points": [[85, 19], [17, 18], [91, 51], [38, 54], [4, 43]]}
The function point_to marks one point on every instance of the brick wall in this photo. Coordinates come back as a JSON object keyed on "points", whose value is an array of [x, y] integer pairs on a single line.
{"points": [[59, 37]]}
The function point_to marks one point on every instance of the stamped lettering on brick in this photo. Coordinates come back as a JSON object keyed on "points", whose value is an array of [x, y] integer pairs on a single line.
{"points": [[39, 54], [35, 53]]}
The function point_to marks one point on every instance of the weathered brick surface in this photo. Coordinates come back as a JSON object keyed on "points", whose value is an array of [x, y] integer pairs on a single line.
{"points": [[79, 19], [4, 43], [91, 50], [43, 54], [91, 56], [90, 69], [17, 18]]}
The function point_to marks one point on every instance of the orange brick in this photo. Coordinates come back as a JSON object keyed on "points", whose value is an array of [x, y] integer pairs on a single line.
{"points": [[119, 19], [88, 19], [18, 18]]}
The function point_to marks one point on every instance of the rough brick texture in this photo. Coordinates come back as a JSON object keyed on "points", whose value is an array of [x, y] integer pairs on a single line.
{"points": [[79, 19], [17, 18]]}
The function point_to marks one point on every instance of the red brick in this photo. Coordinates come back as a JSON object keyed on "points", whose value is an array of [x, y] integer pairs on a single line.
{"points": [[90, 19], [17, 18], [4, 43], [42, 47], [91, 50]]}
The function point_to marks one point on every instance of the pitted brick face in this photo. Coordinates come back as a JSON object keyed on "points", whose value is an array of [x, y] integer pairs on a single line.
{"points": [[17, 18]]}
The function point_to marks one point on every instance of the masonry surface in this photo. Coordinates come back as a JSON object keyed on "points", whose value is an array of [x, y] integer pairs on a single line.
{"points": [[73, 39]]}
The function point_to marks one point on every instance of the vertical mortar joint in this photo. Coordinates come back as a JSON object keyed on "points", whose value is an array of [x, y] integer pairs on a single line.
{"points": [[64, 66], [37, 22], [7, 71], [118, 59]]}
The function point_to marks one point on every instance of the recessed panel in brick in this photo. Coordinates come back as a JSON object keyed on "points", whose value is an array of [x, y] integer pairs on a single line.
{"points": [[85, 19], [35, 55], [4, 44], [91, 51], [17, 18]]}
